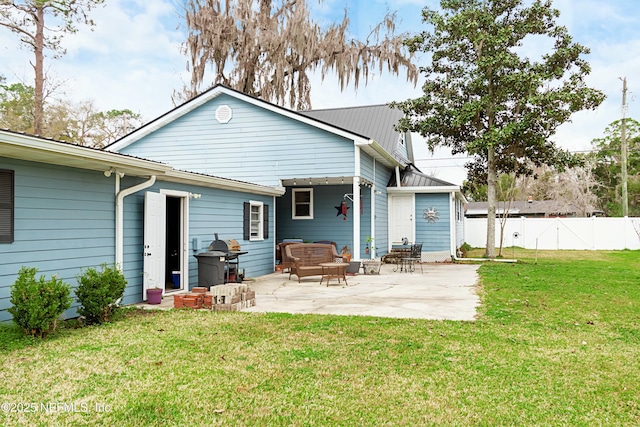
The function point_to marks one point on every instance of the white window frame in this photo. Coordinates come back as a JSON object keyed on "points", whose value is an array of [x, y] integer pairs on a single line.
{"points": [[293, 203], [260, 220]]}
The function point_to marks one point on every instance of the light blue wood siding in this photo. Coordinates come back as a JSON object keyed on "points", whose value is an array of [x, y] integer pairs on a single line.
{"points": [[379, 174], [382, 176], [64, 222], [325, 225], [433, 235], [257, 145], [217, 211]]}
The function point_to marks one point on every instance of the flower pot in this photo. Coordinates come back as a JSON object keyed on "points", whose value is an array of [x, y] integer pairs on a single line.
{"points": [[371, 267], [154, 296]]}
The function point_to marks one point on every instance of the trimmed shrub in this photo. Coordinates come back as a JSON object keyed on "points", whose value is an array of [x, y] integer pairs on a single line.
{"points": [[98, 293], [37, 303]]}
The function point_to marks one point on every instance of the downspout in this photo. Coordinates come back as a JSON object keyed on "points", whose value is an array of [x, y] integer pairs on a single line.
{"points": [[120, 215], [398, 176]]}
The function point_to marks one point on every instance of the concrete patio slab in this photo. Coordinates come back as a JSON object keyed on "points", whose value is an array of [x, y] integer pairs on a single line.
{"points": [[442, 292]]}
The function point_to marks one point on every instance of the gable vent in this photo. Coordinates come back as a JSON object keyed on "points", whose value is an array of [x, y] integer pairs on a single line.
{"points": [[224, 114]]}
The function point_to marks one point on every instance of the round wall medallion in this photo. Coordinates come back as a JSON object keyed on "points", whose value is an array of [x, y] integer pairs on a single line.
{"points": [[431, 215]]}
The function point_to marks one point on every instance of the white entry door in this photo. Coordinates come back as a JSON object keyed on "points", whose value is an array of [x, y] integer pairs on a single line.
{"points": [[401, 222], [154, 241]]}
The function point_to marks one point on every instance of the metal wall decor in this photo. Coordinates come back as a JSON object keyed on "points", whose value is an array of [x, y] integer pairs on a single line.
{"points": [[431, 214]]}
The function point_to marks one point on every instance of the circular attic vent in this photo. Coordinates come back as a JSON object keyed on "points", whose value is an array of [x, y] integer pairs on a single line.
{"points": [[224, 114]]}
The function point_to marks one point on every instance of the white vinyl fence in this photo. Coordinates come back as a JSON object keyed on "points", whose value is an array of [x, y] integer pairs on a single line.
{"points": [[559, 233]]}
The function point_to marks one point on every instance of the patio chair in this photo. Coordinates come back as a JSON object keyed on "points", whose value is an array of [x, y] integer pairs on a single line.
{"points": [[415, 256]]}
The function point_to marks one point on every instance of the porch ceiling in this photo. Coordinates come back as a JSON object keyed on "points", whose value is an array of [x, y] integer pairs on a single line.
{"points": [[325, 180]]}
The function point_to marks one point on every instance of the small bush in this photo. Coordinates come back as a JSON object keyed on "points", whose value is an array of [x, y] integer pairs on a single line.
{"points": [[464, 249], [98, 293], [37, 303]]}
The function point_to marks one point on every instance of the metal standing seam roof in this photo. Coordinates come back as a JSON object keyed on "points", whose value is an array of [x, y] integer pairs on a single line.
{"points": [[374, 121], [411, 176]]}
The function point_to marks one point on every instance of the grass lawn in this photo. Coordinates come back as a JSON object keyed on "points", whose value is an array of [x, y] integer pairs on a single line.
{"points": [[557, 342]]}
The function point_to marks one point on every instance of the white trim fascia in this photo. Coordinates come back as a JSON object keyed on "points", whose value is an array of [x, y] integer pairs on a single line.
{"points": [[214, 93], [221, 183], [24, 146], [374, 148]]}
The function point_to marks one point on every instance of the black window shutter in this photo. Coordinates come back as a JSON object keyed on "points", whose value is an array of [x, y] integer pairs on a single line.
{"points": [[247, 221], [265, 221], [6, 206]]}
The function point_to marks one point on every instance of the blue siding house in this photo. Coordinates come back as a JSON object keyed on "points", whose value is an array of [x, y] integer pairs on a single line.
{"points": [[344, 171], [64, 208], [222, 163]]}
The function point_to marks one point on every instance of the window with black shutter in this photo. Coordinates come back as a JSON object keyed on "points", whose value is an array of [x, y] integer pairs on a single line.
{"points": [[6, 206]]}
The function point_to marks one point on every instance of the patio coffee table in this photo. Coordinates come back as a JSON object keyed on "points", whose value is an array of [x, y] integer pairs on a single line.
{"points": [[334, 270]]}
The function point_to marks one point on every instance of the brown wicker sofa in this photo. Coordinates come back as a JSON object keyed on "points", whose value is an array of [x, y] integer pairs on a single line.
{"points": [[307, 257]]}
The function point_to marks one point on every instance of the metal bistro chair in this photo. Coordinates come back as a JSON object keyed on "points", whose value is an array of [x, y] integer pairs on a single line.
{"points": [[415, 256]]}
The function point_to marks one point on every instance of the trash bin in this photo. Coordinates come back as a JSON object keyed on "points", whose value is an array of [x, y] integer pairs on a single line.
{"points": [[175, 277], [210, 268]]}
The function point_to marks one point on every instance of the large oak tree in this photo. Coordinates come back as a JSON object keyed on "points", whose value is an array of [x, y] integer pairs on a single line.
{"points": [[268, 48], [488, 95]]}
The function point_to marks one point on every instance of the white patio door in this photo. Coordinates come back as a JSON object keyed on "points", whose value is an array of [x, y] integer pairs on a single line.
{"points": [[154, 241], [401, 222]]}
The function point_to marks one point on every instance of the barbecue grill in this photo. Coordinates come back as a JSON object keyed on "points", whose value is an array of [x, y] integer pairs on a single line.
{"points": [[232, 251]]}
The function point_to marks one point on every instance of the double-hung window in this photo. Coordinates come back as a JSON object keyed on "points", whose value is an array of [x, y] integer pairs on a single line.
{"points": [[302, 203], [256, 220]]}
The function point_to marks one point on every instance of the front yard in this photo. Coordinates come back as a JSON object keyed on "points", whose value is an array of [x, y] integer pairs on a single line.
{"points": [[557, 342]]}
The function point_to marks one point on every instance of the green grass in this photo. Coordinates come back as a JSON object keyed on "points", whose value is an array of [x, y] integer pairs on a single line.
{"points": [[557, 342]]}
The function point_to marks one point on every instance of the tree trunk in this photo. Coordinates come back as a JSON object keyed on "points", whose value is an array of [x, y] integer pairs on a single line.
{"points": [[490, 250], [38, 107]]}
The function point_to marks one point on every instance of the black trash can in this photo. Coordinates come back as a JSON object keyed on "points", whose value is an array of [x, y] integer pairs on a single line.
{"points": [[210, 268]]}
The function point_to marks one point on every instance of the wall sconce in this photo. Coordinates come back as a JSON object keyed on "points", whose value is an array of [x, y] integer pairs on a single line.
{"points": [[194, 195]]}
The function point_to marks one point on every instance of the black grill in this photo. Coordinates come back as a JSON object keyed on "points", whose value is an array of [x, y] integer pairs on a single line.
{"points": [[232, 251]]}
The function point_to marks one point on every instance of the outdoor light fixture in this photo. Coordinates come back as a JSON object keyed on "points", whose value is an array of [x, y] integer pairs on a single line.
{"points": [[194, 195], [108, 172]]}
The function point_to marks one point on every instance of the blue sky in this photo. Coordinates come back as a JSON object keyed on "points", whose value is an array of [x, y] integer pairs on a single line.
{"points": [[132, 60]]}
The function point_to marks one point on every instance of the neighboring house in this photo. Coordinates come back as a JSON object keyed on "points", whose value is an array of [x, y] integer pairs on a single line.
{"points": [[64, 208], [529, 209], [337, 167]]}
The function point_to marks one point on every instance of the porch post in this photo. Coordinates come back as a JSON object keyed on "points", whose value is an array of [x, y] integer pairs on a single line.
{"points": [[356, 217], [372, 250], [356, 205]]}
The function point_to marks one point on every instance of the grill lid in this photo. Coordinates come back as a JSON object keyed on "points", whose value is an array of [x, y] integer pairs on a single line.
{"points": [[229, 245]]}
